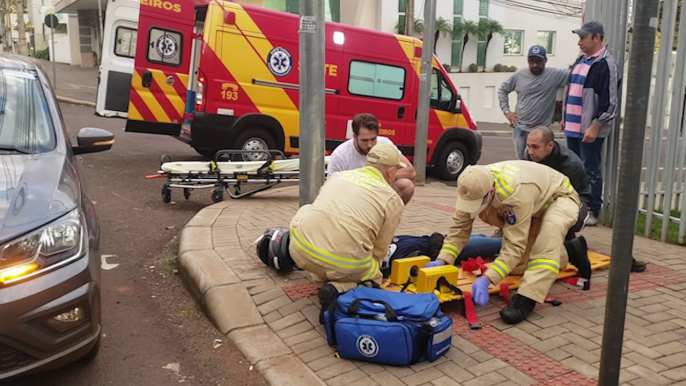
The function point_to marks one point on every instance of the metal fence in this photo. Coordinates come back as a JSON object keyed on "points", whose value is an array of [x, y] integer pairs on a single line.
{"points": [[663, 178]]}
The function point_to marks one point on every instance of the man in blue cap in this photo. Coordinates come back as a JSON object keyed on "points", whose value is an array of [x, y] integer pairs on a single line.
{"points": [[536, 87]]}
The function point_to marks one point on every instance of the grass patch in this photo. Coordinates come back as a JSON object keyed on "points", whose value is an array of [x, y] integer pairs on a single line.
{"points": [[169, 265], [192, 310], [656, 231]]}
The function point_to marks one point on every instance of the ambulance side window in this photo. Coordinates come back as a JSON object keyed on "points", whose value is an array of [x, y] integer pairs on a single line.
{"points": [[165, 46], [376, 80], [125, 42], [441, 93]]}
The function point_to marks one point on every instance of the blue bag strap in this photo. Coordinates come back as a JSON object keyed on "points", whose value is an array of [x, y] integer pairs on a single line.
{"points": [[389, 312]]}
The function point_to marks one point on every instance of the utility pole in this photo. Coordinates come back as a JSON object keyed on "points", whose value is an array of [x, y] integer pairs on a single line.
{"points": [[409, 17], [424, 92], [638, 93], [312, 83], [21, 28], [3, 30]]}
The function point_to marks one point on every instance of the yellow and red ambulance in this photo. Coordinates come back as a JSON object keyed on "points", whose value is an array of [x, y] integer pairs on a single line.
{"points": [[246, 63]]}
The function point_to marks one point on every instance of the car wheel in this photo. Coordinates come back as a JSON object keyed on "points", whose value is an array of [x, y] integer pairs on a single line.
{"points": [[452, 161], [254, 139]]}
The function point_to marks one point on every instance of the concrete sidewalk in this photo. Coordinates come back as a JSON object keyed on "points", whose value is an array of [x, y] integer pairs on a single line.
{"points": [[73, 84], [273, 318]]}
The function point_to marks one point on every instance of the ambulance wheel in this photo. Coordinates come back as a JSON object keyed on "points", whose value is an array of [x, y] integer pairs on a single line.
{"points": [[452, 161], [217, 195], [254, 139], [166, 195]]}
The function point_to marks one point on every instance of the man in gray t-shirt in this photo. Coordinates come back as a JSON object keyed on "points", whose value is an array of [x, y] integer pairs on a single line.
{"points": [[536, 88]]}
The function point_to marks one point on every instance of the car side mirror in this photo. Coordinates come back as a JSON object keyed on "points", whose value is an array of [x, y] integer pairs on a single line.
{"points": [[457, 104], [93, 140]]}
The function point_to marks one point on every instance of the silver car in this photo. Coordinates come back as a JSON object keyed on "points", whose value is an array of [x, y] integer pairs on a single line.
{"points": [[49, 230]]}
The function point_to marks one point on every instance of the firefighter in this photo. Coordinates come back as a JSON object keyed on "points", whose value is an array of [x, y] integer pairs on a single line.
{"points": [[342, 237], [536, 206]]}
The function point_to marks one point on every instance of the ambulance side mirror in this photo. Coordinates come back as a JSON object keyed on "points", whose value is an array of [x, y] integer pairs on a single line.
{"points": [[457, 104]]}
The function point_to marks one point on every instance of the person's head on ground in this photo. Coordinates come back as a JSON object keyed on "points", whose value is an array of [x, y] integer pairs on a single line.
{"points": [[537, 59], [385, 157], [475, 190], [365, 132], [540, 143], [590, 37]]}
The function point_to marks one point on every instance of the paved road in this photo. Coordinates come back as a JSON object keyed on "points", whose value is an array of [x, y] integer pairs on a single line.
{"points": [[153, 332]]}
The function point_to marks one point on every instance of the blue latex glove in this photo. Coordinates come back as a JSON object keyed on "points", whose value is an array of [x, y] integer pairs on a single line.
{"points": [[435, 263], [480, 291]]}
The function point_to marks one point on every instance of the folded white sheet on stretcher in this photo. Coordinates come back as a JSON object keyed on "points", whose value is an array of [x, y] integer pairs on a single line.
{"points": [[286, 165]]}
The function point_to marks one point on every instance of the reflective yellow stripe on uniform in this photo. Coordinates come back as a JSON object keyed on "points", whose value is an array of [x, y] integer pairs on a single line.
{"points": [[501, 268], [450, 249], [372, 271], [502, 186], [374, 172], [548, 264], [326, 257], [568, 185]]}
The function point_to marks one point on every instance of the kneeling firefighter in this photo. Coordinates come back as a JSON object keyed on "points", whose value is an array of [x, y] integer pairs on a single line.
{"points": [[536, 206], [342, 237]]}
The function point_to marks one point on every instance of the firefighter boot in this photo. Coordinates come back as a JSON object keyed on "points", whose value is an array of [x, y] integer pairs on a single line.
{"points": [[577, 250], [327, 295], [517, 309], [637, 265]]}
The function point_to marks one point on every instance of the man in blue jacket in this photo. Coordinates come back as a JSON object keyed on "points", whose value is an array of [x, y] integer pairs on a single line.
{"points": [[590, 107]]}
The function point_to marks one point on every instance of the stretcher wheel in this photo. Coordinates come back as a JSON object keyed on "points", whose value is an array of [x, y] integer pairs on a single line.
{"points": [[217, 195], [166, 195], [186, 193]]}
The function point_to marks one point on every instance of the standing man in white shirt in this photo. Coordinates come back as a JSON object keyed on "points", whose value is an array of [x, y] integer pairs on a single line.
{"points": [[352, 154]]}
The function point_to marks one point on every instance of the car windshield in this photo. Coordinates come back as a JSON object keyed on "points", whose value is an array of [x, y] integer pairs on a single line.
{"points": [[25, 126]]}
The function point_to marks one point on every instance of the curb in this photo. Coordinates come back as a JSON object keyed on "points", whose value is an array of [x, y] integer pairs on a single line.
{"points": [[508, 134], [227, 303], [75, 101]]}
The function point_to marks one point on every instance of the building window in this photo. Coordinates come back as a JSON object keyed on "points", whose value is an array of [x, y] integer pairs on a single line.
{"points": [[332, 10], [165, 46], [456, 45], [401, 16], [125, 42], [513, 42], [483, 8], [376, 80], [547, 40]]}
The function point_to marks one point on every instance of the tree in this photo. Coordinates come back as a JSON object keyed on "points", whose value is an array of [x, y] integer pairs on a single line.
{"points": [[487, 28], [443, 27], [465, 29], [418, 26]]}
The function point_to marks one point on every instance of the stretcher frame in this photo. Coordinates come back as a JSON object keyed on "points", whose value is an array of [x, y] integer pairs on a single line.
{"points": [[233, 181]]}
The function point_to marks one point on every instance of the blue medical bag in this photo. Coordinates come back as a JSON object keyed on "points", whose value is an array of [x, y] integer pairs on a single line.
{"points": [[386, 327]]}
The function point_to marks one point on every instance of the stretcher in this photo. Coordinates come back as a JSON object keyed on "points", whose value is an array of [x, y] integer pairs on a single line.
{"points": [[451, 283], [232, 176]]}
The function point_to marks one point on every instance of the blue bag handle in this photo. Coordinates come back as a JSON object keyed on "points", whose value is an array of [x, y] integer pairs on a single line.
{"points": [[390, 313]]}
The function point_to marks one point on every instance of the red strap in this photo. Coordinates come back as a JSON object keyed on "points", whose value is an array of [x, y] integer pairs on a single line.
{"points": [[470, 265], [505, 291], [469, 312]]}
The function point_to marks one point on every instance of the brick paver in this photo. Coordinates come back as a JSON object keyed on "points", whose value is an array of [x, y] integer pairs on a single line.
{"points": [[554, 346]]}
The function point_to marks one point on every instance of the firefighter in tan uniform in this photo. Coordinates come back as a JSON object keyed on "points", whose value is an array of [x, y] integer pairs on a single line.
{"points": [[536, 206], [342, 237]]}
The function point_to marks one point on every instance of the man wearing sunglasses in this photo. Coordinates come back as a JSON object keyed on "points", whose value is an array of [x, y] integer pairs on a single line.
{"points": [[536, 206]]}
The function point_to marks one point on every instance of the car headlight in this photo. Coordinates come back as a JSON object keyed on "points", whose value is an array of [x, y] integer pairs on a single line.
{"points": [[41, 249]]}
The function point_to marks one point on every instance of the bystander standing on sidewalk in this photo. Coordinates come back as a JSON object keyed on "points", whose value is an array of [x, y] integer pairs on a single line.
{"points": [[590, 107], [536, 87]]}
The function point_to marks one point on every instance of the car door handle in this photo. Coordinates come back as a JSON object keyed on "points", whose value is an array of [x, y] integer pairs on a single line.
{"points": [[401, 111], [147, 79]]}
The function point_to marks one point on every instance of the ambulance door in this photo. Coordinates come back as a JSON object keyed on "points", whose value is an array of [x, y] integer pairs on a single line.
{"points": [[160, 77], [118, 54]]}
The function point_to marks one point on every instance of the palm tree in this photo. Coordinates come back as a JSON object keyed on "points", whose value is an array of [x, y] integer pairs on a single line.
{"points": [[465, 29], [418, 26], [443, 27], [488, 27]]}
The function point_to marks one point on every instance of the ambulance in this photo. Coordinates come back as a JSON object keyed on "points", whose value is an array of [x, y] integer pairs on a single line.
{"points": [[221, 75]]}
